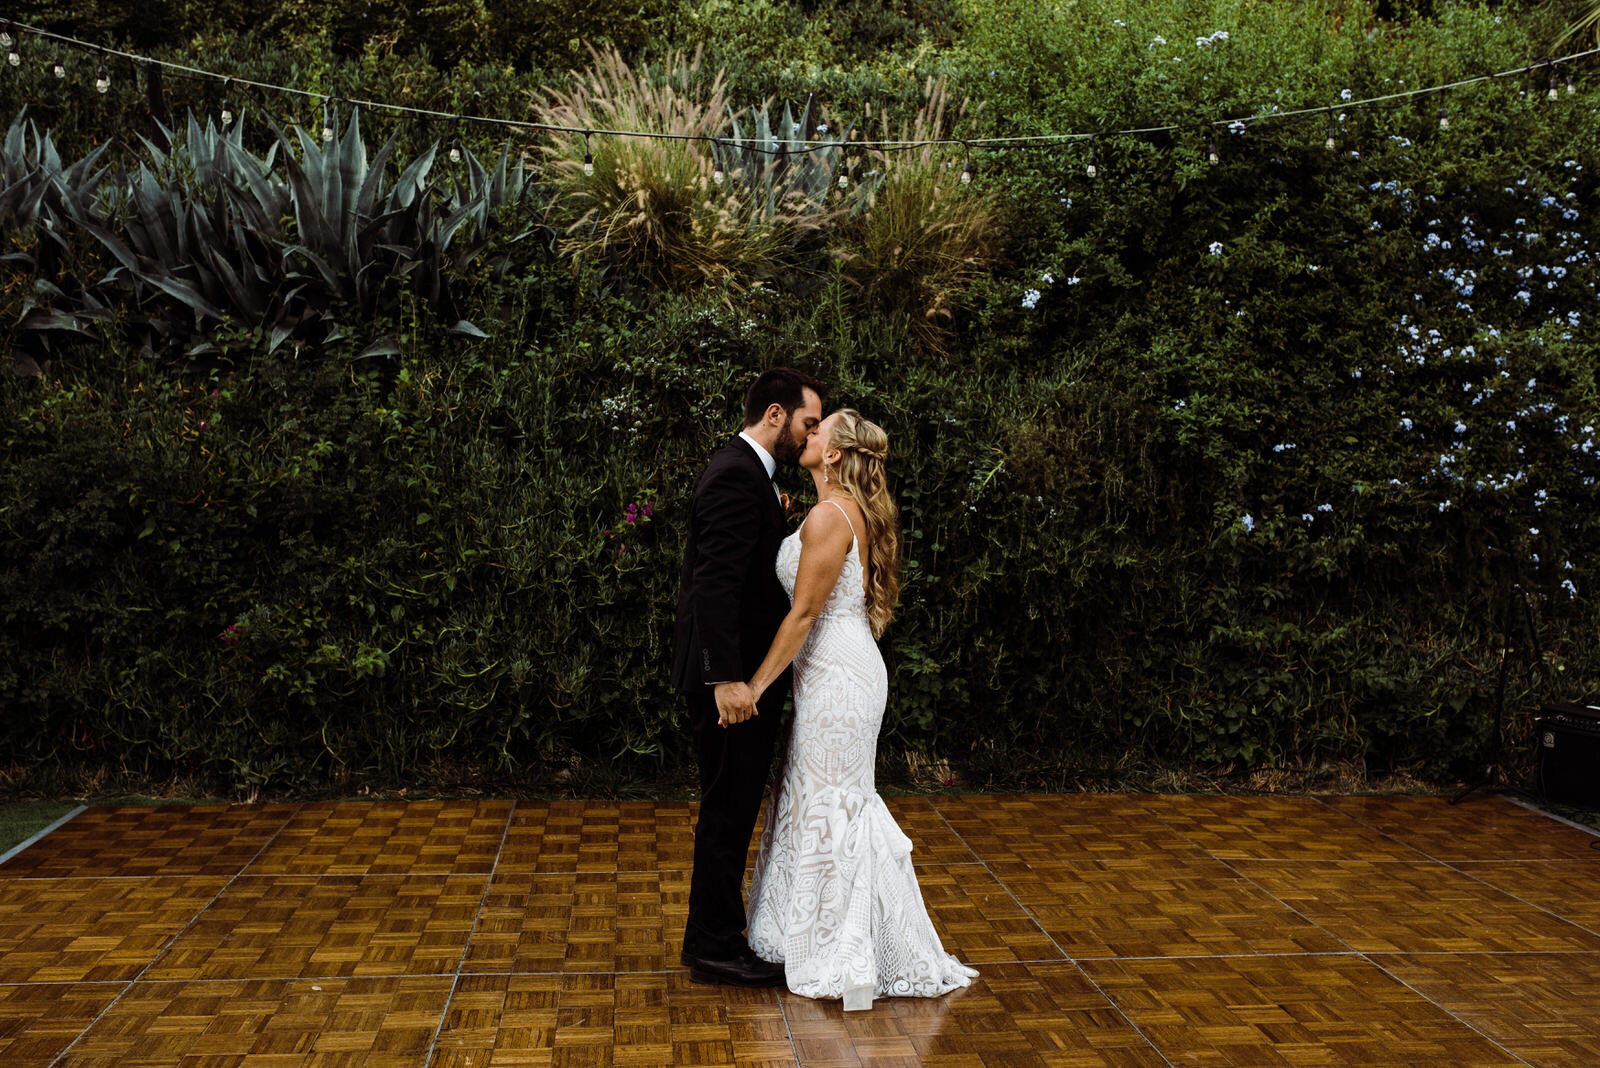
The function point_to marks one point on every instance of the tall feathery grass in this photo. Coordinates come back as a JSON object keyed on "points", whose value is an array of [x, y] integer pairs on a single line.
{"points": [[924, 238], [652, 211]]}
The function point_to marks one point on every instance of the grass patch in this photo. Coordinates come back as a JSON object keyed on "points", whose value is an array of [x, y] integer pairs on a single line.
{"points": [[21, 819]]}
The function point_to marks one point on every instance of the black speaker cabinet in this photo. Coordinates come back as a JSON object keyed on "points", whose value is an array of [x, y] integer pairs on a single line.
{"points": [[1568, 740]]}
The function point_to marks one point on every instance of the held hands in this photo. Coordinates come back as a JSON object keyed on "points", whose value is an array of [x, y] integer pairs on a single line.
{"points": [[735, 703]]}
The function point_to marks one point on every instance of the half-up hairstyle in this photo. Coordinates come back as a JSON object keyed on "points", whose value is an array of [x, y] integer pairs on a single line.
{"points": [[861, 473]]}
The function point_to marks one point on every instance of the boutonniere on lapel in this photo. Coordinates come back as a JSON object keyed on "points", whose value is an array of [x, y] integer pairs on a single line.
{"points": [[784, 497]]}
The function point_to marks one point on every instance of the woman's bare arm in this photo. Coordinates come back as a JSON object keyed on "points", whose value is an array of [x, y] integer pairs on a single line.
{"points": [[824, 541]]}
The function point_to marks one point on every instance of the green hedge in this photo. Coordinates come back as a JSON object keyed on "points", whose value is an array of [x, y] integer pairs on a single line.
{"points": [[1262, 507]]}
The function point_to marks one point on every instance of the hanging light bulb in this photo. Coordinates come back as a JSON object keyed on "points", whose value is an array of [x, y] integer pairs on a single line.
{"points": [[14, 57], [1212, 155], [102, 80], [327, 123], [717, 174], [1553, 94], [1093, 167], [227, 113], [455, 149], [58, 68], [6, 40], [1570, 87], [588, 157], [1444, 119], [1329, 143], [966, 167]]}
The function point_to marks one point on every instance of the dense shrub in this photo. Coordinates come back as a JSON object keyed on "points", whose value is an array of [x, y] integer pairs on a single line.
{"points": [[1278, 463]]}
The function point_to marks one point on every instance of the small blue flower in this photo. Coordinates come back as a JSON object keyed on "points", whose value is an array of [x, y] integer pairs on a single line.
{"points": [[1215, 248], [1249, 521]]}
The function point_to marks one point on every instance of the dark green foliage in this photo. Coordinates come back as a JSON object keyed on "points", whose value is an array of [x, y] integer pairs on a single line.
{"points": [[211, 243], [1231, 467]]}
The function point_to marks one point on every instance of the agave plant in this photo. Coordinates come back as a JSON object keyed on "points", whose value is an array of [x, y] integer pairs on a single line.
{"points": [[362, 240], [195, 236], [38, 198], [206, 233], [655, 207], [783, 167]]}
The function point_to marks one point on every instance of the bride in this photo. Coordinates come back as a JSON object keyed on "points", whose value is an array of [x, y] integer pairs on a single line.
{"points": [[834, 897]]}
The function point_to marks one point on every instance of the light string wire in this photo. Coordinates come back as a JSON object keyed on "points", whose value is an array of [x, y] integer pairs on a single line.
{"points": [[804, 145]]}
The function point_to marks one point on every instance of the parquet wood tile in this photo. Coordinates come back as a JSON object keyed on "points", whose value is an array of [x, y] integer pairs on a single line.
{"points": [[625, 1019], [581, 921], [262, 1022], [1224, 930], [297, 926], [1158, 907], [977, 918], [387, 838], [1296, 1010], [1273, 828], [553, 836], [1479, 828], [151, 840], [1381, 907], [72, 930], [39, 1020], [1568, 888], [1027, 828], [932, 839], [1542, 1007], [1046, 1013]]}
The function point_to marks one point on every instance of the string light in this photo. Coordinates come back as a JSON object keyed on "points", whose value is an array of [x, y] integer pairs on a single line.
{"points": [[717, 175], [58, 68], [1330, 144], [227, 112], [966, 168], [844, 176], [455, 148], [8, 41], [327, 124], [1444, 118], [1212, 155]]}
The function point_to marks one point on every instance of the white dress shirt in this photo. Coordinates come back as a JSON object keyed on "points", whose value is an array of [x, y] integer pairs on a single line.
{"points": [[767, 461]]}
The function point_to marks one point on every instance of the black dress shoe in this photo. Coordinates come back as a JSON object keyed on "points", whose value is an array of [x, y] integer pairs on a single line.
{"points": [[749, 970]]}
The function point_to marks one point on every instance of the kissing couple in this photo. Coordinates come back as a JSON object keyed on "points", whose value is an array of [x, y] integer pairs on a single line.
{"points": [[835, 909]]}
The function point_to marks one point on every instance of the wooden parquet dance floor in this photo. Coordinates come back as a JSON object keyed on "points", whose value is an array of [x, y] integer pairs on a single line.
{"points": [[1108, 930]]}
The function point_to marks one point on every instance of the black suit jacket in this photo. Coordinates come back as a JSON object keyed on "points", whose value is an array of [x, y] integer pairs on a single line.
{"points": [[730, 602]]}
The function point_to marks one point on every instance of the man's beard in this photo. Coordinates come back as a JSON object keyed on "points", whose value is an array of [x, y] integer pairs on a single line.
{"points": [[784, 450]]}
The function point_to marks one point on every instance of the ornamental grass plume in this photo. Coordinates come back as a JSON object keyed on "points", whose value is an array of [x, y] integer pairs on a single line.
{"points": [[651, 207], [924, 237]]}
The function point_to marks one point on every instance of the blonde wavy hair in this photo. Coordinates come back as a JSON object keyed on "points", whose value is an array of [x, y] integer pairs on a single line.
{"points": [[861, 473]]}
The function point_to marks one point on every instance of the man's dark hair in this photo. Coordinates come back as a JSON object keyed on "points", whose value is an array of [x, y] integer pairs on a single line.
{"points": [[783, 386]]}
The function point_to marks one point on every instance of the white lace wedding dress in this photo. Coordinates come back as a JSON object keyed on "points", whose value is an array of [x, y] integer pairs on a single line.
{"points": [[834, 896]]}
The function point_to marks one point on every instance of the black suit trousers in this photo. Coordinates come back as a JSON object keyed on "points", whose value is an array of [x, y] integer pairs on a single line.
{"points": [[733, 777]]}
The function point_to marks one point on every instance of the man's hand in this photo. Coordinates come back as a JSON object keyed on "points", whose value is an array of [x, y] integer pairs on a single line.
{"points": [[735, 704]]}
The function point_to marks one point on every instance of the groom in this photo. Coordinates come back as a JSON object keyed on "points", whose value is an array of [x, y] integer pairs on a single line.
{"points": [[730, 605]]}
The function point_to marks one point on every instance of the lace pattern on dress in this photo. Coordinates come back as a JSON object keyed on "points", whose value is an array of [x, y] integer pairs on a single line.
{"points": [[834, 895]]}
